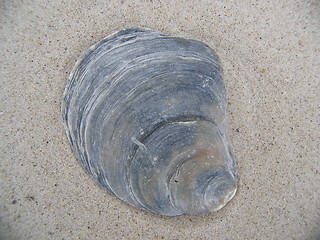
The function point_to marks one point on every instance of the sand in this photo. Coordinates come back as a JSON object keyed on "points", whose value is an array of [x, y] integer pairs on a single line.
{"points": [[270, 52]]}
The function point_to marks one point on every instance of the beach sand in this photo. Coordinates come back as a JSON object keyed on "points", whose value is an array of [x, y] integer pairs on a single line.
{"points": [[270, 53]]}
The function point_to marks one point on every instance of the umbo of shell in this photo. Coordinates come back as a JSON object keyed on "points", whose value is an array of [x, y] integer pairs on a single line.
{"points": [[145, 114]]}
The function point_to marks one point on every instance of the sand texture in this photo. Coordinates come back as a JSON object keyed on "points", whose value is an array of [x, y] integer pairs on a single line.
{"points": [[270, 53]]}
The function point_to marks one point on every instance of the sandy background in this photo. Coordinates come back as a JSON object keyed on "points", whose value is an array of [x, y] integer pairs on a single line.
{"points": [[270, 52]]}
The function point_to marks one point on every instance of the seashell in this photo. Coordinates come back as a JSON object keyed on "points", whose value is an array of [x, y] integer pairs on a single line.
{"points": [[145, 114]]}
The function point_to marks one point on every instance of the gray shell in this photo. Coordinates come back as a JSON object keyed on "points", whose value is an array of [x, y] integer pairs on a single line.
{"points": [[145, 115]]}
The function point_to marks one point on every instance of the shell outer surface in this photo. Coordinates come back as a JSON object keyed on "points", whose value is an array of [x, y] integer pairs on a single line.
{"points": [[145, 114]]}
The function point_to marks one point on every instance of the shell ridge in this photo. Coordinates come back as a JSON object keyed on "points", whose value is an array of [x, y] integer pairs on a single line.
{"points": [[142, 140]]}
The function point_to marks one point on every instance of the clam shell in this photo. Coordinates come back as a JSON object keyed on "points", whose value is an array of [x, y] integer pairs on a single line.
{"points": [[145, 115]]}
